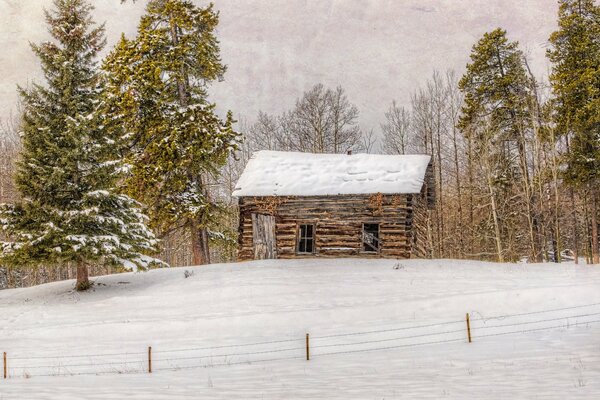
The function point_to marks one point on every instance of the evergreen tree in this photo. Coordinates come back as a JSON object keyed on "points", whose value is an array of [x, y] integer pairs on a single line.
{"points": [[70, 212], [496, 118], [575, 79], [496, 87], [175, 142]]}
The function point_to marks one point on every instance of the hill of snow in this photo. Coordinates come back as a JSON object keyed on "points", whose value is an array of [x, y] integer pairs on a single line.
{"points": [[379, 329]]}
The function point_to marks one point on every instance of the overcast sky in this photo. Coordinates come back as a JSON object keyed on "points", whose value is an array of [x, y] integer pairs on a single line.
{"points": [[378, 50]]}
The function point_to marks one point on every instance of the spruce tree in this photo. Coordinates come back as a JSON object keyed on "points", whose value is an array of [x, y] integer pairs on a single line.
{"points": [[496, 118], [175, 142], [575, 79], [70, 212]]}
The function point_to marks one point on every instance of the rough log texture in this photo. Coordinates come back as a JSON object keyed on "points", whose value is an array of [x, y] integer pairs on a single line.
{"points": [[338, 222]]}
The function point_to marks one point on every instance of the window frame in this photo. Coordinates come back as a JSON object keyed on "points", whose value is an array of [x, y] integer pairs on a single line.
{"points": [[300, 238], [363, 244]]}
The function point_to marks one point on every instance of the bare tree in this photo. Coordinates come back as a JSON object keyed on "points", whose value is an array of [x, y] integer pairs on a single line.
{"points": [[430, 129], [345, 132], [323, 121], [395, 129], [264, 134], [454, 103], [368, 142], [422, 122], [10, 146]]}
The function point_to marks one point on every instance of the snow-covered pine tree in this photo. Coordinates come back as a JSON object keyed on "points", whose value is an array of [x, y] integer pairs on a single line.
{"points": [[174, 140], [70, 212], [575, 78], [497, 119]]}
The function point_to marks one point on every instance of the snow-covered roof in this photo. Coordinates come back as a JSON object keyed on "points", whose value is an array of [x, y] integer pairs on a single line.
{"points": [[278, 173]]}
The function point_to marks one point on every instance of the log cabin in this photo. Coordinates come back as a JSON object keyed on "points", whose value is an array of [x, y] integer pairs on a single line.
{"points": [[299, 205]]}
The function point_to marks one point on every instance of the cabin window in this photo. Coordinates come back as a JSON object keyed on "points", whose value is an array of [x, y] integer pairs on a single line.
{"points": [[370, 238], [306, 239]]}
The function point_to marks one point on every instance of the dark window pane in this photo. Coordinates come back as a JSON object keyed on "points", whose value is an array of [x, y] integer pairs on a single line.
{"points": [[302, 246], [370, 237], [309, 245], [306, 238]]}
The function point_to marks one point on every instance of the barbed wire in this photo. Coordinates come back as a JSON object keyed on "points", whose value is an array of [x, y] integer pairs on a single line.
{"points": [[248, 362], [536, 312], [388, 330], [78, 356], [533, 322], [475, 329], [87, 373], [78, 365], [585, 358], [449, 340], [230, 355], [537, 329], [293, 340], [327, 345], [390, 347], [388, 339], [228, 346]]}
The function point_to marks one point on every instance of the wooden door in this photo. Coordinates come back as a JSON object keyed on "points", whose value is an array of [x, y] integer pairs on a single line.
{"points": [[263, 237]]}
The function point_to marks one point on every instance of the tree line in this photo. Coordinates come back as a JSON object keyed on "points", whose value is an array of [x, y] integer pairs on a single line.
{"points": [[125, 157], [516, 159]]}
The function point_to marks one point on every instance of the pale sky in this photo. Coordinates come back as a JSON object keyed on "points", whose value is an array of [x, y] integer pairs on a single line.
{"points": [[378, 50]]}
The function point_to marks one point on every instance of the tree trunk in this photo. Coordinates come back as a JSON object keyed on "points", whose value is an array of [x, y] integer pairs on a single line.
{"points": [[440, 214], [594, 219], [471, 196], [555, 249], [497, 233], [557, 208], [535, 213], [83, 281], [181, 87], [200, 249], [430, 237], [587, 224], [461, 240], [574, 229]]}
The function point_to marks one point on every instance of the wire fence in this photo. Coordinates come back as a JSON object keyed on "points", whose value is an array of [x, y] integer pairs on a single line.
{"points": [[370, 340]]}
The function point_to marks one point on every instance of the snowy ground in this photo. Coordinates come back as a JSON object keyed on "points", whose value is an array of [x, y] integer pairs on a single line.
{"points": [[398, 329]]}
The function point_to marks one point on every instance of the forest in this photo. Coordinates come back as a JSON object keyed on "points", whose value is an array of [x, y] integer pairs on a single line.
{"points": [[124, 162]]}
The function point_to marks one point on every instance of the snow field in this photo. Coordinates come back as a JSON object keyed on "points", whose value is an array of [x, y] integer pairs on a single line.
{"points": [[379, 329]]}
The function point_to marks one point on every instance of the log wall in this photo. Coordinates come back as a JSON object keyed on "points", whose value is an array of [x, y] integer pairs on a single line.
{"points": [[338, 224]]}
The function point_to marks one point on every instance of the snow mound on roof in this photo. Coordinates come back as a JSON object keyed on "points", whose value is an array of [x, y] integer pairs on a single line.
{"points": [[278, 173]]}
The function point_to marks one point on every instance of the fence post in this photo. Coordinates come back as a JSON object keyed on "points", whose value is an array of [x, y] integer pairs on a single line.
{"points": [[149, 359], [307, 347], [4, 365], [469, 327]]}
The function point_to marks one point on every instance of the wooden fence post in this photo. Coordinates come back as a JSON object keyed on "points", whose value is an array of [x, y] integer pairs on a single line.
{"points": [[149, 359], [469, 327], [4, 365], [307, 347]]}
